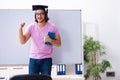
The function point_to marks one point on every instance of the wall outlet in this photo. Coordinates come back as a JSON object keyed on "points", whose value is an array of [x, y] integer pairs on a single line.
{"points": [[110, 74]]}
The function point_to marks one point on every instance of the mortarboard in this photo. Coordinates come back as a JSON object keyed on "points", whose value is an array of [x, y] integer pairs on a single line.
{"points": [[43, 7]]}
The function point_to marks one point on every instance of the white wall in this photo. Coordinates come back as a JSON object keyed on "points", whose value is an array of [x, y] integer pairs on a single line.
{"points": [[103, 13]]}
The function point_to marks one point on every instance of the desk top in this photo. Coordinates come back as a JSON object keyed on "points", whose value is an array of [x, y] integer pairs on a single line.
{"points": [[70, 77]]}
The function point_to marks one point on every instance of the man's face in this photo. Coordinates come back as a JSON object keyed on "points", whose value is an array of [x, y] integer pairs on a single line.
{"points": [[40, 16]]}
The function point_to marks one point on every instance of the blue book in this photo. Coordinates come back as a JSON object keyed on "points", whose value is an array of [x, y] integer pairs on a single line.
{"points": [[78, 68], [52, 36], [61, 69]]}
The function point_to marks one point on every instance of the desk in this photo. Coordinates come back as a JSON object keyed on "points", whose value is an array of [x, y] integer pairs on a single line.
{"points": [[68, 77], [7, 71]]}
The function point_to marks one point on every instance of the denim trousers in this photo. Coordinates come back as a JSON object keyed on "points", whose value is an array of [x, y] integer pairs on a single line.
{"points": [[40, 66]]}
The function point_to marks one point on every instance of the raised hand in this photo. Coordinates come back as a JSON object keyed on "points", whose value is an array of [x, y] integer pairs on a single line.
{"points": [[22, 24]]}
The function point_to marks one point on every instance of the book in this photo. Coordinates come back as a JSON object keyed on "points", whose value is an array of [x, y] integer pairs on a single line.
{"points": [[52, 36]]}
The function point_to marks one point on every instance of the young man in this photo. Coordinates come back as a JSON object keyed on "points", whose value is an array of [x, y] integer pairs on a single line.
{"points": [[40, 51]]}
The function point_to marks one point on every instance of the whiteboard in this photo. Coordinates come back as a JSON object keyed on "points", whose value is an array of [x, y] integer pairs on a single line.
{"points": [[68, 23]]}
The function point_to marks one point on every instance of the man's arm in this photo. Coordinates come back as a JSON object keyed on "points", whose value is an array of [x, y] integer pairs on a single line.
{"points": [[55, 42], [23, 37]]}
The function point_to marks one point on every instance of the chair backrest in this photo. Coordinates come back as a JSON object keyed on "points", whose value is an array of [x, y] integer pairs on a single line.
{"points": [[31, 77]]}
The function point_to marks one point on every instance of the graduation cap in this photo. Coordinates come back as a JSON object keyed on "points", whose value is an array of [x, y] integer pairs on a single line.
{"points": [[43, 7]]}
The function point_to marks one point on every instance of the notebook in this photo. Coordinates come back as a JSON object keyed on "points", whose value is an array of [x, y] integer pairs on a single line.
{"points": [[52, 36]]}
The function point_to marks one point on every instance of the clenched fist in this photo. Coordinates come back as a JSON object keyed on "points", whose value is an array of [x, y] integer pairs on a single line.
{"points": [[22, 24]]}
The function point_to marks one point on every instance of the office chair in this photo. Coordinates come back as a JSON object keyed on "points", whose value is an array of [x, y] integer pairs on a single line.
{"points": [[31, 77]]}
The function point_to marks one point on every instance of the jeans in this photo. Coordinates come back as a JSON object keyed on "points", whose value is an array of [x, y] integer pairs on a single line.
{"points": [[42, 66]]}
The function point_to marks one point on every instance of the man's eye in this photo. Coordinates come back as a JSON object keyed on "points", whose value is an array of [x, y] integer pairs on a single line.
{"points": [[39, 13]]}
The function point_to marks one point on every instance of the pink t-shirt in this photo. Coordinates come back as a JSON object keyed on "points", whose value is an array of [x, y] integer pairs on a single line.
{"points": [[39, 49]]}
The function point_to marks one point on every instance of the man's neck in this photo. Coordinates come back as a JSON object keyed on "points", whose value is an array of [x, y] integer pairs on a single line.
{"points": [[42, 24]]}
